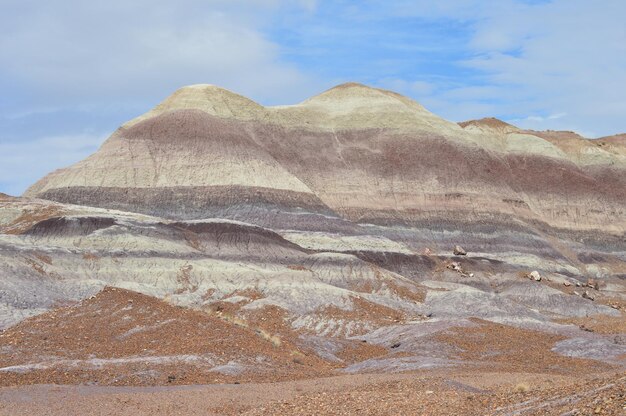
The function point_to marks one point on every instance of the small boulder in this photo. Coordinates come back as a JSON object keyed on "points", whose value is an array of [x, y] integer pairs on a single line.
{"points": [[566, 283], [459, 251], [587, 295], [592, 283], [455, 265], [534, 275]]}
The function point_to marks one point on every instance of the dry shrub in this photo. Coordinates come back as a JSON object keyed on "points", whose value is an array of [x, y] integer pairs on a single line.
{"points": [[522, 387], [274, 339], [233, 319]]}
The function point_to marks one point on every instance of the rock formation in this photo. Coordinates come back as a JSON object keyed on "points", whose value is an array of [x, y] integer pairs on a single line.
{"points": [[349, 156], [330, 222]]}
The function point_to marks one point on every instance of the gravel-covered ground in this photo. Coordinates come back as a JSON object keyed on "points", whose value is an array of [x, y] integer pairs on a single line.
{"points": [[124, 353], [424, 393]]}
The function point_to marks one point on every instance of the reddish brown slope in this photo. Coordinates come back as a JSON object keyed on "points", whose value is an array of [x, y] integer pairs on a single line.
{"points": [[122, 337]]}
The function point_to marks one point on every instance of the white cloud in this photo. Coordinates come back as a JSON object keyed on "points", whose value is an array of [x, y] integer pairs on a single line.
{"points": [[556, 116], [88, 51], [566, 56], [23, 163], [531, 60], [540, 118]]}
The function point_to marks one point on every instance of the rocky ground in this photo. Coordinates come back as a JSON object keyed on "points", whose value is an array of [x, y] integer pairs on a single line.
{"points": [[423, 393], [119, 337], [158, 356], [447, 396]]}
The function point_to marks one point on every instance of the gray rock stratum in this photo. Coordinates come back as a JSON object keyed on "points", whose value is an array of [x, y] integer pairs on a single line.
{"points": [[336, 220]]}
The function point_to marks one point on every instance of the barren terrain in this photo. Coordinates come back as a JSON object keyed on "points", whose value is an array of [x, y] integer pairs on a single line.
{"points": [[351, 254]]}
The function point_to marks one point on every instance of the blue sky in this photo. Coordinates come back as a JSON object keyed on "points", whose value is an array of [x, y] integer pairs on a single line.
{"points": [[72, 71]]}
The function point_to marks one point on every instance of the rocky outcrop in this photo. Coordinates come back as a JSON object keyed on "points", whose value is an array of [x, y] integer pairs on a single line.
{"points": [[459, 251]]}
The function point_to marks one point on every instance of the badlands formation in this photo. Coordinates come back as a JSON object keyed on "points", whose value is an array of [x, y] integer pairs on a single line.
{"points": [[214, 240]]}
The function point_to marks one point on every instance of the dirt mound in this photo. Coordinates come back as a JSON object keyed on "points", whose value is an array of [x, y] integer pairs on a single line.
{"points": [[491, 122], [70, 226], [500, 347], [234, 233], [122, 337], [615, 139], [555, 136]]}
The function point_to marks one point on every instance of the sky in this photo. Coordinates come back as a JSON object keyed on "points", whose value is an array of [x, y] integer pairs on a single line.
{"points": [[72, 71]]}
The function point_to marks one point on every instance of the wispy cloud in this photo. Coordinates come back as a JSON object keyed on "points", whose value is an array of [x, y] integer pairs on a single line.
{"points": [[561, 63], [23, 163], [124, 50], [565, 58], [540, 118]]}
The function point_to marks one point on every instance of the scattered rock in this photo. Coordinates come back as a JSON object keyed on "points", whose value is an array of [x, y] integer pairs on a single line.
{"points": [[592, 283], [534, 275], [567, 284], [456, 266], [587, 295], [459, 251]]}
